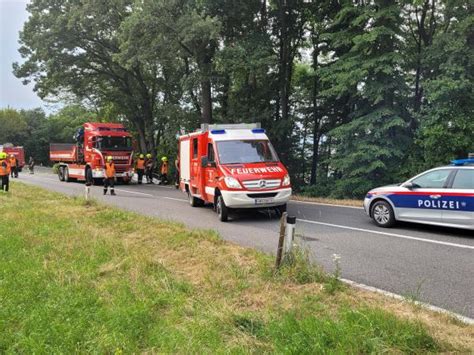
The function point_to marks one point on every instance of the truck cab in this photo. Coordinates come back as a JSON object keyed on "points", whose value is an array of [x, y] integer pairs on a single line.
{"points": [[85, 159], [233, 167]]}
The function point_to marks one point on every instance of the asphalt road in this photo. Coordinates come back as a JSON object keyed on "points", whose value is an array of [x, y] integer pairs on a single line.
{"points": [[430, 264]]}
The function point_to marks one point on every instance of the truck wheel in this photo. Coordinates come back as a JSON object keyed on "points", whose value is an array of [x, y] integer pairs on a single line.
{"points": [[89, 177], [61, 173], [281, 209], [194, 201], [66, 174], [382, 214], [221, 209]]}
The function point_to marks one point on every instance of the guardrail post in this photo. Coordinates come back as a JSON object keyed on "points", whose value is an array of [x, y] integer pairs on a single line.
{"points": [[281, 240], [289, 233]]}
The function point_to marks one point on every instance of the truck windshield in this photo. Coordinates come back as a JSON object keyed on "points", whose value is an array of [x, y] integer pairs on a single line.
{"points": [[113, 143], [245, 151]]}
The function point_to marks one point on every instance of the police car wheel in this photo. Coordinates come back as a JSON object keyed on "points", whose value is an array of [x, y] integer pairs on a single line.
{"points": [[382, 214], [222, 210]]}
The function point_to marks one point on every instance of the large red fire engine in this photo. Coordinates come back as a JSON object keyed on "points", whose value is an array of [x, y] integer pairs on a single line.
{"points": [[18, 152], [232, 167], [85, 159]]}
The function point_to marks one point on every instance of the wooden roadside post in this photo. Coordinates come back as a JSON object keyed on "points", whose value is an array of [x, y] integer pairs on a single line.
{"points": [[281, 240]]}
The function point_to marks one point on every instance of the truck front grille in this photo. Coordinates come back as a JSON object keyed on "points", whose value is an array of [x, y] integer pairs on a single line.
{"points": [[262, 195], [261, 184]]}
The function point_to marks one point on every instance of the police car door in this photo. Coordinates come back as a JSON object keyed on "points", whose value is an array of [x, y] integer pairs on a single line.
{"points": [[424, 200], [460, 211]]}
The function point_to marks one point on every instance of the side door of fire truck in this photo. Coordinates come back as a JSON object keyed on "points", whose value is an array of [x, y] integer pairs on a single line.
{"points": [[209, 165], [195, 167]]}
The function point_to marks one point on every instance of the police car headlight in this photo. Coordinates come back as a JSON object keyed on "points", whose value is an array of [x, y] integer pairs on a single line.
{"points": [[231, 182], [286, 180]]}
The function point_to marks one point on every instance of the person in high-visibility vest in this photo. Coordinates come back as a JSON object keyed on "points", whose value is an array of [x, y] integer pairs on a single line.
{"points": [[140, 167], [13, 166], [149, 164], [4, 172], [164, 170], [109, 179]]}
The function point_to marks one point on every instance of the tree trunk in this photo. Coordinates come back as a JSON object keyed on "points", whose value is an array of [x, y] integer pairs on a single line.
{"points": [[316, 113], [206, 98]]}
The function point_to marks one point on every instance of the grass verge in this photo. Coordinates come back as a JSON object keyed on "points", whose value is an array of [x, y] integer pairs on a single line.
{"points": [[90, 278]]}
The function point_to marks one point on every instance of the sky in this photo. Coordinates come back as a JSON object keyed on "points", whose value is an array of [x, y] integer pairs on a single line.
{"points": [[12, 92]]}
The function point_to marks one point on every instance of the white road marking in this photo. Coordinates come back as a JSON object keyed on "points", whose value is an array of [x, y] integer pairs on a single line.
{"points": [[460, 317], [326, 204], [174, 199], [401, 236], [135, 192]]}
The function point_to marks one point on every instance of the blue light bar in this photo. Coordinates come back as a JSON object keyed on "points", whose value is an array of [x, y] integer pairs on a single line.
{"points": [[258, 130], [218, 131], [460, 162]]}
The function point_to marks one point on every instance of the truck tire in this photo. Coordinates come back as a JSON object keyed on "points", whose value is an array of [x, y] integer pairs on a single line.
{"points": [[61, 173], [221, 209], [281, 209], [89, 177], [66, 174], [194, 201]]}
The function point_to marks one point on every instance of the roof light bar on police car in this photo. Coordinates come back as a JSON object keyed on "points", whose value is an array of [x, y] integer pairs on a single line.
{"points": [[258, 130]]}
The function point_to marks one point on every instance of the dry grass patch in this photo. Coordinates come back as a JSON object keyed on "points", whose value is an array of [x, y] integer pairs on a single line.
{"points": [[328, 201]]}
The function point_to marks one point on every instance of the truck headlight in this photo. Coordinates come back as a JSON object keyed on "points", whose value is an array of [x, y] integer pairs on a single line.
{"points": [[286, 180], [231, 182]]}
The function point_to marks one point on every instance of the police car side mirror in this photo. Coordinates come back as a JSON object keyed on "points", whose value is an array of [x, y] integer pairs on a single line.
{"points": [[410, 185]]}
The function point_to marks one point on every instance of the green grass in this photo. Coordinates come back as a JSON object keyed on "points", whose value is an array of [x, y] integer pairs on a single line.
{"points": [[89, 278]]}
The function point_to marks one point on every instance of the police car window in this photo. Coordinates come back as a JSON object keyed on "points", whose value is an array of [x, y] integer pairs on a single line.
{"points": [[464, 179], [433, 179]]}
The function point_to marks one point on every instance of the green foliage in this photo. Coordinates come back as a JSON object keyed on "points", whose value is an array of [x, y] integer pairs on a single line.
{"points": [[352, 94], [13, 126]]}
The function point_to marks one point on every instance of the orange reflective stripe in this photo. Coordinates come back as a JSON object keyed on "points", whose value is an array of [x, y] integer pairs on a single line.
{"points": [[164, 168], [110, 170], [3, 168], [141, 164], [13, 162]]}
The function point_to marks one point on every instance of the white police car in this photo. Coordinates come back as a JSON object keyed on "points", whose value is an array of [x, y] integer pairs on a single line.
{"points": [[442, 196]]}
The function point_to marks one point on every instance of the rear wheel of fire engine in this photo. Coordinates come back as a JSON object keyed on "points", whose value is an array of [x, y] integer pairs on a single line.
{"points": [[66, 174], [194, 201], [382, 214], [221, 209], [61, 173]]}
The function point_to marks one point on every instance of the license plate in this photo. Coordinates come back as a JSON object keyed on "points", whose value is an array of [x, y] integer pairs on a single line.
{"points": [[262, 201]]}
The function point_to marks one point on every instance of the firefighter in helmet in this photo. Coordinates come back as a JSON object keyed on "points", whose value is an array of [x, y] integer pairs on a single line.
{"points": [[149, 165], [164, 170], [109, 179], [140, 167], [4, 172], [13, 166]]}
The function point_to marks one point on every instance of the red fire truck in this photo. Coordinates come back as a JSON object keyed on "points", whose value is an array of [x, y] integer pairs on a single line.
{"points": [[18, 152], [232, 167], [85, 159]]}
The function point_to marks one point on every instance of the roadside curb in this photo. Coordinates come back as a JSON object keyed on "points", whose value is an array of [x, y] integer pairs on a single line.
{"points": [[457, 316]]}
